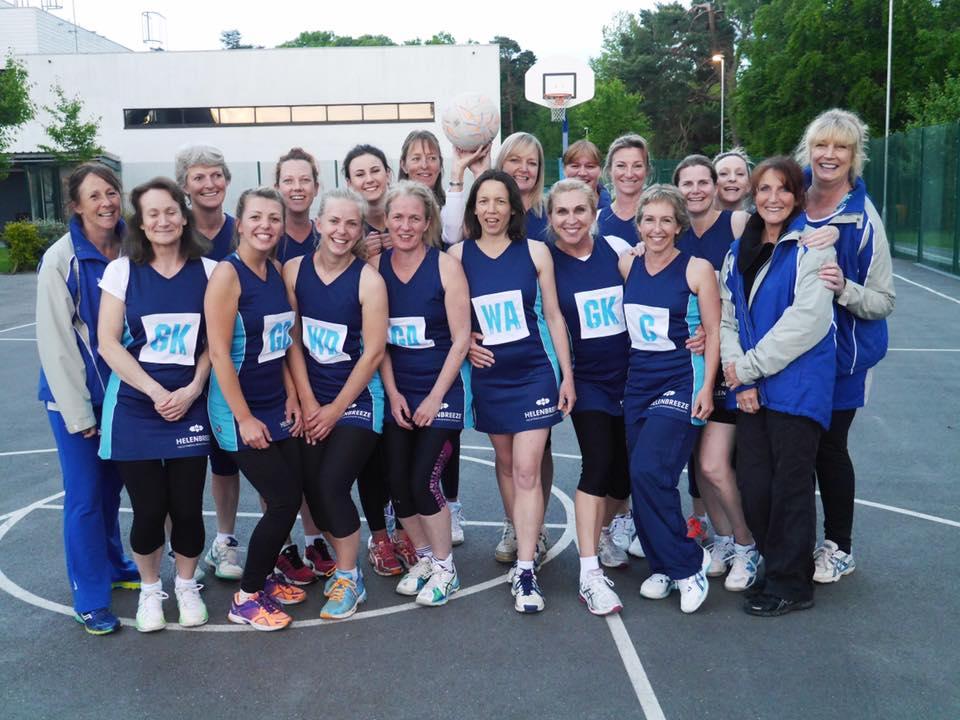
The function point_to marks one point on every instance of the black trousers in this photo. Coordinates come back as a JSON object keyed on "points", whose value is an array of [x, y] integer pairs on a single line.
{"points": [[776, 454], [836, 479], [603, 449]]}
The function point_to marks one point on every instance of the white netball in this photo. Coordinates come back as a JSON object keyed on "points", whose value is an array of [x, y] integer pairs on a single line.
{"points": [[470, 120]]}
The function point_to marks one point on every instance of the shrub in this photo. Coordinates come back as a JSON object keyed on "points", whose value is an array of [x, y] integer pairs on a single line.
{"points": [[26, 246], [50, 231]]}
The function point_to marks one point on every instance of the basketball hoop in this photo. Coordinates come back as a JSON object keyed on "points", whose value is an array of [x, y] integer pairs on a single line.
{"points": [[558, 104]]}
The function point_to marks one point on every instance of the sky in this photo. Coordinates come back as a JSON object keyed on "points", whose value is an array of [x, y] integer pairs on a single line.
{"points": [[196, 24]]}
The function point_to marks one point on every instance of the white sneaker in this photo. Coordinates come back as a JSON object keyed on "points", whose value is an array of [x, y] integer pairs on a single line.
{"points": [[193, 611], [657, 586], [597, 595], [694, 589], [610, 554], [636, 548], [150, 610], [831, 563], [224, 558], [441, 585], [622, 530], [416, 578], [721, 555], [743, 569], [528, 597], [506, 551], [456, 522]]}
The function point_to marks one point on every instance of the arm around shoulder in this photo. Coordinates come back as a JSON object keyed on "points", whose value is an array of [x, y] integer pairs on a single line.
{"points": [[875, 299]]}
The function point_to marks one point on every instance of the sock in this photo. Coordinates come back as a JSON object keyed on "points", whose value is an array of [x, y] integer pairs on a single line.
{"points": [[743, 549], [723, 538], [446, 563], [180, 582], [524, 565], [222, 538], [353, 573], [243, 596], [425, 551], [311, 539], [587, 565], [148, 587]]}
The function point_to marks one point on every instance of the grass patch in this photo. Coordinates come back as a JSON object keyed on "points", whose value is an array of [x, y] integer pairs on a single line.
{"points": [[4, 259]]}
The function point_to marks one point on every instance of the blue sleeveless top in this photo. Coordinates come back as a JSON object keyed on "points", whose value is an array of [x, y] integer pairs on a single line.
{"points": [[519, 392], [713, 245], [661, 313], [332, 320], [536, 225], [223, 241], [164, 331], [261, 336], [591, 298], [288, 248], [418, 339], [609, 223]]}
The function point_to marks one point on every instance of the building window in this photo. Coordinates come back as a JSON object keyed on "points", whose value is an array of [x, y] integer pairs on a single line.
{"points": [[141, 118]]}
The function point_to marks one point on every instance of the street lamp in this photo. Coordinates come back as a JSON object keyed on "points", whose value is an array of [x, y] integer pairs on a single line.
{"points": [[719, 58]]}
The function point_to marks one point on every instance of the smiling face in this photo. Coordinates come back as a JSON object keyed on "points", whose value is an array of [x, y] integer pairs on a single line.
{"points": [[523, 165], [493, 208], [775, 202], [98, 204], [733, 180], [571, 216], [583, 167], [831, 160], [628, 170], [697, 187], [422, 163], [206, 186], [658, 226], [407, 222], [369, 177], [261, 224], [340, 226], [163, 221], [297, 186]]}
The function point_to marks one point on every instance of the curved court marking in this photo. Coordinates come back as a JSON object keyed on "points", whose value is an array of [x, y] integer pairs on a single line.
{"points": [[9, 586]]}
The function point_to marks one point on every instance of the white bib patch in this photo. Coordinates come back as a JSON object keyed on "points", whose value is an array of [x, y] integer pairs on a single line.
{"points": [[171, 338], [501, 317], [409, 332], [600, 312], [649, 327], [324, 340], [276, 335]]}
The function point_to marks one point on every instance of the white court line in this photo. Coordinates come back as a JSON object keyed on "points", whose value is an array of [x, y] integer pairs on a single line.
{"points": [[911, 513], [631, 662], [935, 270], [923, 349], [33, 340], [924, 287], [17, 327], [27, 452]]}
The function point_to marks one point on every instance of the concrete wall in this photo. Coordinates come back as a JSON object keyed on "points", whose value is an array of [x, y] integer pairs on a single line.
{"points": [[30, 30]]}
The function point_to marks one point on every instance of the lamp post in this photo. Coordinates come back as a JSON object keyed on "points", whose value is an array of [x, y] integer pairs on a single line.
{"points": [[719, 58]]}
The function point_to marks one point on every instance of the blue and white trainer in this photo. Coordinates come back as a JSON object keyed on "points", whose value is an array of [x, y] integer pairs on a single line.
{"points": [[528, 597], [345, 597], [694, 589], [440, 586], [98, 622], [831, 563]]}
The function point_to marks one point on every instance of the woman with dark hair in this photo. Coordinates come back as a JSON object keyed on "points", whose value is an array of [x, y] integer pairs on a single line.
{"points": [[297, 180], [73, 380], [252, 403], [834, 148], [516, 398], [779, 359], [152, 335]]}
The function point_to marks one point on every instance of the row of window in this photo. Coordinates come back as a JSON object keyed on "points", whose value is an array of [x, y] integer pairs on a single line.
{"points": [[277, 115]]}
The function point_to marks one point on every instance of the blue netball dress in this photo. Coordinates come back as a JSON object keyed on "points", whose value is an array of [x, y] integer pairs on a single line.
{"points": [[519, 392], [609, 223], [591, 298], [536, 225], [661, 313], [222, 243], [261, 336], [332, 320], [713, 246], [164, 331], [288, 248], [419, 340]]}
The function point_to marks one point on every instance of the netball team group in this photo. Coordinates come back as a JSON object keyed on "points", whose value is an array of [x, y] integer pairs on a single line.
{"points": [[727, 323]]}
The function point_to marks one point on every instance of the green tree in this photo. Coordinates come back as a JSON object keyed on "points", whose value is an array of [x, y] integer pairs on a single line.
{"points": [[939, 103], [232, 40], [75, 140], [613, 112], [327, 38], [15, 106], [441, 38], [515, 112]]}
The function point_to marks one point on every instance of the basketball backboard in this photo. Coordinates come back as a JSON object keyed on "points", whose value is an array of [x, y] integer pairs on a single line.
{"points": [[559, 77]]}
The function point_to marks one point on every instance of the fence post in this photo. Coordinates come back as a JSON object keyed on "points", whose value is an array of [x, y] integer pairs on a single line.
{"points": [[920, 203], [956, 192]]}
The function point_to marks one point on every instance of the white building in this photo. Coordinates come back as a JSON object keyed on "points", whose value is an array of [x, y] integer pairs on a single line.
{"points": [[252, 104], [30, 30]]}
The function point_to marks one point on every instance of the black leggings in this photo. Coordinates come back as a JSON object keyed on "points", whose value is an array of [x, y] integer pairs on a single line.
{"points": [[158, 488], [836, 479], [603, 449], [415, 461], [450, 480], [275, 474], [373, 490], [331, 466]]}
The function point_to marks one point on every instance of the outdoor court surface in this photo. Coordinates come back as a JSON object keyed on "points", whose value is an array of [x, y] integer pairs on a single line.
{"points": [[882, 643]]}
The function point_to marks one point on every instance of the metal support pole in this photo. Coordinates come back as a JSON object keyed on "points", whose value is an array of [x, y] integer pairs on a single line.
{"points": [[886, 133]]}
